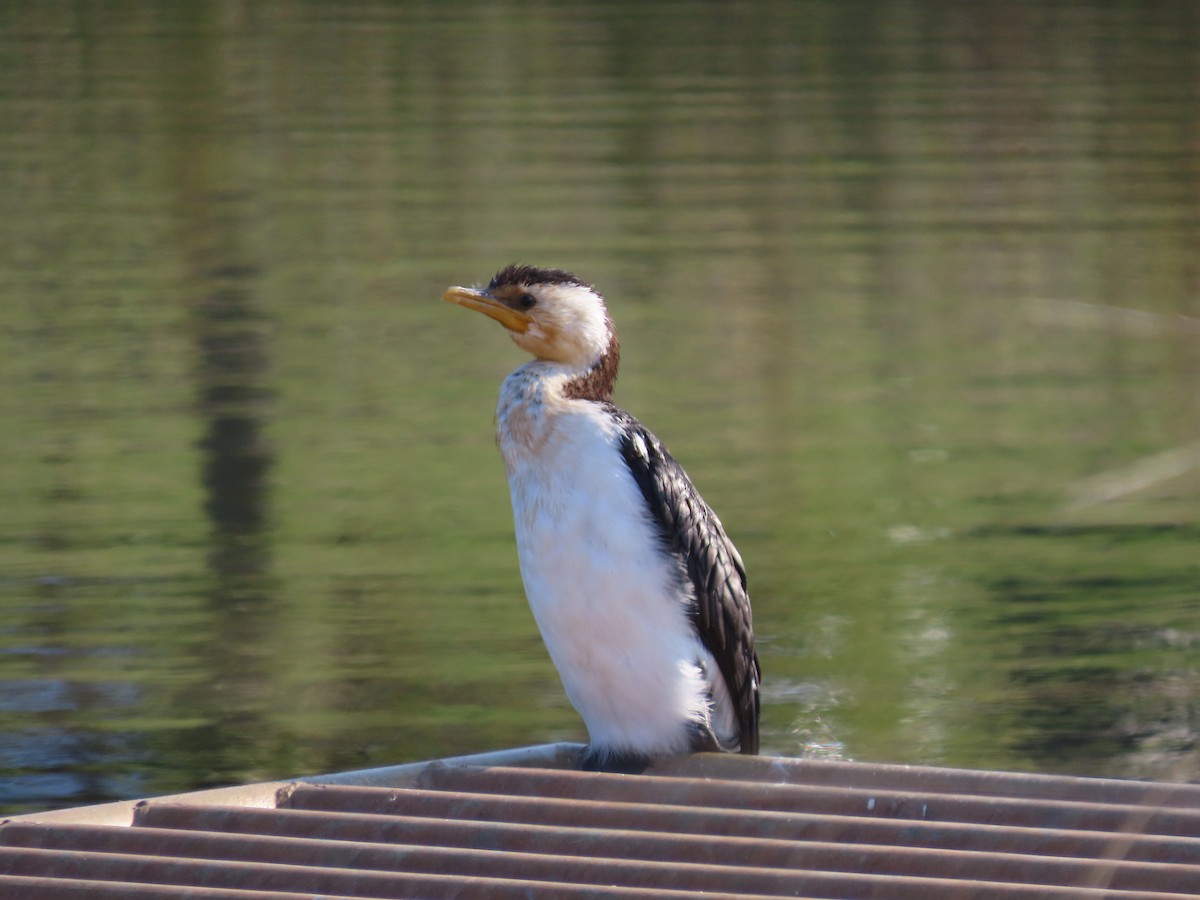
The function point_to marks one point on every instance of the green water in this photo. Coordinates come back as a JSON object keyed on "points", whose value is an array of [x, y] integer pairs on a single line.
{"points": [[911, 289]]}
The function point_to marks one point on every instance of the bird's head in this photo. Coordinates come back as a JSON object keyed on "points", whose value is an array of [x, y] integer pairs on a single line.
{"points": [[548, 312]]}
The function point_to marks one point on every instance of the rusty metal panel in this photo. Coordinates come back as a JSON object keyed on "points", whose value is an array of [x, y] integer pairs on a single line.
{"points": [[717, 826], [555, 854], [309, 880], [923, 805], [424, 858], [879, 776], [367, 883], [21, 887], [490, 832], [726, 805]]}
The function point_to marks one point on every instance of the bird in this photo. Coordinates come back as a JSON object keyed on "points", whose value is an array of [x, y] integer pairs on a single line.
{"points": [[639, 594]]}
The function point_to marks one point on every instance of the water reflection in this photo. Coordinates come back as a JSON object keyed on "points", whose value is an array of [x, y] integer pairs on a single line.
{"points": [[233, 401], [909, 289], [235, 474], [214, 204], [1101, 661]]}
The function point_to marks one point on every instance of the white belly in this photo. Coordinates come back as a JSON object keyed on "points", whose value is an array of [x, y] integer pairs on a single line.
{"points": [[611, 606]]}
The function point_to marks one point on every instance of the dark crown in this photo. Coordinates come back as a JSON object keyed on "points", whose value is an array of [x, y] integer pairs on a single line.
{"points": [[526, 275]]}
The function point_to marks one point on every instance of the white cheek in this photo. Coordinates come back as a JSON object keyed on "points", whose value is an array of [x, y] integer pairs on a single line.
{"points": [[575, 327], [555, 342], [532, 340]]}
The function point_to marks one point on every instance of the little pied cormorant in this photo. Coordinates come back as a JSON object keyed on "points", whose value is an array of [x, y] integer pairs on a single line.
{"points": [[639, 594]]}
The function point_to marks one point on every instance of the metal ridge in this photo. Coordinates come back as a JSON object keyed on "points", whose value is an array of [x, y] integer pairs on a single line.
{"points": [[523, 823]]}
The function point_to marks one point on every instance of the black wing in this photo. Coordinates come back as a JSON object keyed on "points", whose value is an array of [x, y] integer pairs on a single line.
{"points": [[692, 531]]}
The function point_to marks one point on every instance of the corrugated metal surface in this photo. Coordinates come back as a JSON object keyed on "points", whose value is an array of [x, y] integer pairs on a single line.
{"points": [[520, 825]]}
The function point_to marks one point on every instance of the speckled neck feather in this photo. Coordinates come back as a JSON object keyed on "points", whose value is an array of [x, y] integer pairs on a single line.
{"points": [[597, 383]]}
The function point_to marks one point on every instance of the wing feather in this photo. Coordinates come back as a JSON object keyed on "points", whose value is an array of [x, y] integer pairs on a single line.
{"points": [[692, 531]]}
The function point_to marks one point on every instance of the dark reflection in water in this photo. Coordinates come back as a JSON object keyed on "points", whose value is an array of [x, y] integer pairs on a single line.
{"points": [[237, 463], [214, 208], [909, 288], [1101, 664], [236, 470]]}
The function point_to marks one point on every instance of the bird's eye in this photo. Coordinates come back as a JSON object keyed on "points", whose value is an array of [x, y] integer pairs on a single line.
{"points": [[527, 301]]}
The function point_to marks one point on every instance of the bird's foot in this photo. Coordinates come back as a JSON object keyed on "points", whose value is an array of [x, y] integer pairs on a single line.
{"points": [[605, 759]]}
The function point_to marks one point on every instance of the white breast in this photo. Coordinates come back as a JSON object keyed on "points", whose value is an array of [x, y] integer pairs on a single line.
{"points": [[611, 606]]}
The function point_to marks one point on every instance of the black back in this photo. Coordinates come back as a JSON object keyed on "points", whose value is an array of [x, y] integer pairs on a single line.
{"points": [[691, 530]]}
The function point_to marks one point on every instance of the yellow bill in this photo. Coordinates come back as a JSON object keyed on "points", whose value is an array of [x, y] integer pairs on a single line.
{"points": [[512, 319]]}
